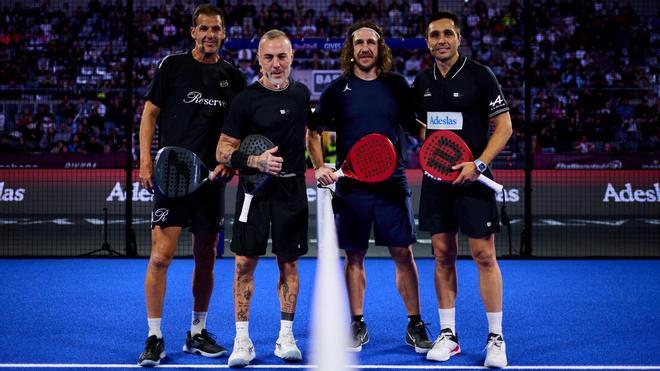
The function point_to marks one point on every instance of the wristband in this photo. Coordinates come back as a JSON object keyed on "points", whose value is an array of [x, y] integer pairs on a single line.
{"points": [[239, 160]]}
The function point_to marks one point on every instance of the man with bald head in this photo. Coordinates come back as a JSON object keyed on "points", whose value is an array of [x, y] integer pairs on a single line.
{"points": [[276, 107], [367, 99]]}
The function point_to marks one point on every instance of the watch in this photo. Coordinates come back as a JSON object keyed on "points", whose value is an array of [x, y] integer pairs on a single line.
{"points": [[481, 167]]}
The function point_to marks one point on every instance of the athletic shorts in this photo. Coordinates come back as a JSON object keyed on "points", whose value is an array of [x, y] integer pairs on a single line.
{"points": [[356, 212], [281, 206], [203, 210], [444, 208]]}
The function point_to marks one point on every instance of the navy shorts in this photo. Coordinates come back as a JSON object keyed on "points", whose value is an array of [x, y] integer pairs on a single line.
{"points": [[282, 207], [203, 210], [444, 208], [392, 220]]}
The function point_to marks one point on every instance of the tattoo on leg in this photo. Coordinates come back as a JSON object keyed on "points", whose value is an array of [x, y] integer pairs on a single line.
{"points": [[242, 315]]}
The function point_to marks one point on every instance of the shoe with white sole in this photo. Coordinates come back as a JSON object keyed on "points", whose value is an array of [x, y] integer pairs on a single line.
{"points": [[243, 352], [495, 351], [445, 346], [286, 348]]}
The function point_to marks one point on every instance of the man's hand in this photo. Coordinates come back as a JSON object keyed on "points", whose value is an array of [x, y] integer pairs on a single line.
{"points": [[146, 172], [222, 173], [325, 175], [268, 163], [468, 173]]}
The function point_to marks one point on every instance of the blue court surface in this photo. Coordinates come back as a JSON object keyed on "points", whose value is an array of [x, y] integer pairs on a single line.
{"points": [[559, 314]]}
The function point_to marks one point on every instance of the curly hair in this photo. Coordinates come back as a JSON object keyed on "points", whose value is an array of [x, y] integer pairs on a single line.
{"points": [[384, 60]]}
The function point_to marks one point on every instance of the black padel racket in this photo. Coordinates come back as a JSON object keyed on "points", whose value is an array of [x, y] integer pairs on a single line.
{"points": [[444, 149], [253, 180], [179, 172]]}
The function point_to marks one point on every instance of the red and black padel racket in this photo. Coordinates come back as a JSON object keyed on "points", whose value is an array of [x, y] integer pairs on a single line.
{"points": [[442, 150], [372, 159]]}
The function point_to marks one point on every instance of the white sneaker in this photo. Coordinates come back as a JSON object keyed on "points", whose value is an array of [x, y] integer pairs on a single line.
{"points": [[445, 346], [495, 351], [243, 352], [286, 348]]}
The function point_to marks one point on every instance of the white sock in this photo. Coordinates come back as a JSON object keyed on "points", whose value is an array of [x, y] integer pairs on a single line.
{"points": [[242, 329], [494, 322], [448, 319], [286, 327], [197, 323], [154, 327]]}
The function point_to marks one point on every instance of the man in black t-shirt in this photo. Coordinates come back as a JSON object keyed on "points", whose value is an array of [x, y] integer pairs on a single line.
{"points": [[277, 108], [461, 95], [188, 96], [367, 99]]}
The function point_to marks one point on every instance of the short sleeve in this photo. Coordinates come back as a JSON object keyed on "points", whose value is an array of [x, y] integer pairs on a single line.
{"points": [[237, 116], [493, 94], [157, 89]]}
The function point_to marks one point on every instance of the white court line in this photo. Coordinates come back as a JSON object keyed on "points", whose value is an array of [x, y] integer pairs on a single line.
{"points": [[390, 367]]}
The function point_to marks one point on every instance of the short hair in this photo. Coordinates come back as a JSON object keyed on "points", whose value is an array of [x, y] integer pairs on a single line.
{"points": [[274, 34], [442, 15], [384, 61], [207, 9]]}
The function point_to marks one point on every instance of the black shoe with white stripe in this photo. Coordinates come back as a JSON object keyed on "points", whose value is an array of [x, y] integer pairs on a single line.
{"points": [[203, 344], [154, 351], [418, 338]]}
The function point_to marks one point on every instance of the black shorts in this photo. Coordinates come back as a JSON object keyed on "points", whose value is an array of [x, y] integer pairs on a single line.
{"points": [[392, 219], [202, 210], [282, 205], [446, 208]]}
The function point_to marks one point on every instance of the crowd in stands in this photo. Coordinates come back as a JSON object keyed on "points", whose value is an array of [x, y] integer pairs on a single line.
{"points": [[594, 65]]}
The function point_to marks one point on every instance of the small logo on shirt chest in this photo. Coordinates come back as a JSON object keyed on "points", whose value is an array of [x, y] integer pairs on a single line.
{"points": [[224, 83]]}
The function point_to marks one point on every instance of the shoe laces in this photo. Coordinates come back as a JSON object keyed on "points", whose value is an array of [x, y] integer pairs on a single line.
{"points": [[444, 336], [243, 344], [152, 344], [494, 342], [424, 327], [208, 336]]}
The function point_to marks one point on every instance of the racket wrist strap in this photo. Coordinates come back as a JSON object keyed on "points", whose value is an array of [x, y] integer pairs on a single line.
{"points": [[239, 160]]}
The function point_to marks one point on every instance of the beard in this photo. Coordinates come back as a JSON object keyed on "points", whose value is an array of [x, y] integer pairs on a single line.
{"points": [[367, 67], [280, 80]]}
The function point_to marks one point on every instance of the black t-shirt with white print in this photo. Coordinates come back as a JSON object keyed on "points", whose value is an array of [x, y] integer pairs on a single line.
{"points": [[280, 116], [194, 98], [462, 101]]}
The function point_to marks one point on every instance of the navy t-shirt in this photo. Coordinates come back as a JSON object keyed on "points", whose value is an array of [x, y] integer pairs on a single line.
{"points": [[280, 116], [193, 98], [354, 108]]}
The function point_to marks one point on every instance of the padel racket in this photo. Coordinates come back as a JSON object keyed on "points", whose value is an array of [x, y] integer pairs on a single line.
{"points": [[372, 159], [253, 180], [444, 149], [179, 172]]}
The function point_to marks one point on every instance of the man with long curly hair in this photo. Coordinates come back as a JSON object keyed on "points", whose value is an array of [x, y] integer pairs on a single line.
{"points": [[367, 99]]}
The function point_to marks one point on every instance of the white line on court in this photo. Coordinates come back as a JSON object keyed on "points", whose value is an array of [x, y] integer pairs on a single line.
{"points": [[293, 367]]}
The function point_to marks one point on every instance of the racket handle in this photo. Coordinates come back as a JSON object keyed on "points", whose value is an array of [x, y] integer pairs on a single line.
{"points": [[339, 173], [246, 208], [497, 187]]}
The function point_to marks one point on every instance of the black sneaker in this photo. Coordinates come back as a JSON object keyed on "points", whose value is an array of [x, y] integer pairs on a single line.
{"points": [[359, 336], [418, 338], [203, 344], [154, 351]]}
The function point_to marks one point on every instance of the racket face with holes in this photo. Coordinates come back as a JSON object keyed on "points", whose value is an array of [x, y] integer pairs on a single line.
{"points": [[442, 150], [255, 144], [372, 159], [178, 172]]}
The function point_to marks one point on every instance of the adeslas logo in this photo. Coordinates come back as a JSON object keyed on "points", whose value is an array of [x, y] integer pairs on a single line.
{"points": [[443, 121]]}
